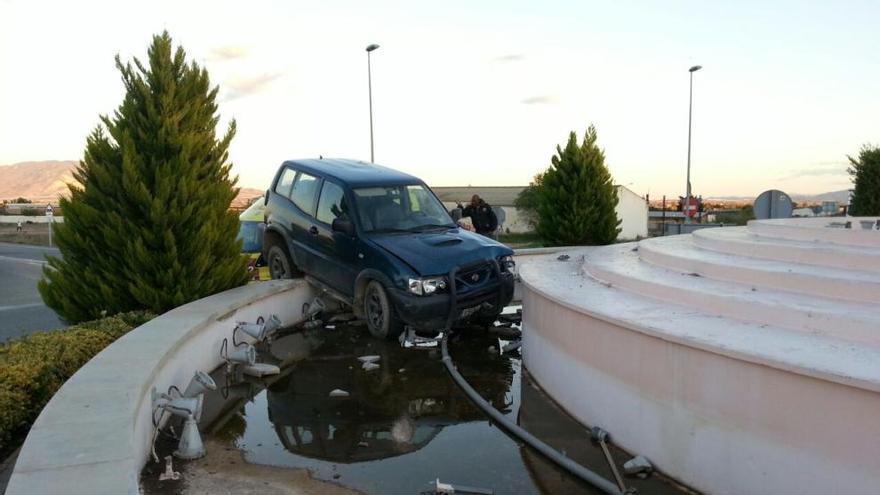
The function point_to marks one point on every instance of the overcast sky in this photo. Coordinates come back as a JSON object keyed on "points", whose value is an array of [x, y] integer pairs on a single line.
{"points": [[478, 92]]}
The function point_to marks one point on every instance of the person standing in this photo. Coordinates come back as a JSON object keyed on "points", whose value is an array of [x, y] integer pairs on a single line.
{"points": [[18, 226], [483, 217]]}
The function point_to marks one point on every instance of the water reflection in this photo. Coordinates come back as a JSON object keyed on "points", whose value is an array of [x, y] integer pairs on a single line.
{"points": [[402, 425], [394, 410]]}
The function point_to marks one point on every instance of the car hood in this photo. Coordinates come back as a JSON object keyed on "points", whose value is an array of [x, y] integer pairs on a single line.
{"points": [[436, 253]]}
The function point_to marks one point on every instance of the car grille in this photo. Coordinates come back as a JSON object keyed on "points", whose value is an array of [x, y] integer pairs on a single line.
{"points": [[474, 277]]}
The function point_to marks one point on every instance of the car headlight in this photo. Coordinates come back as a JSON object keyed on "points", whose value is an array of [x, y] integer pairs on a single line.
{"points": [[426, 286], [507, 263]]}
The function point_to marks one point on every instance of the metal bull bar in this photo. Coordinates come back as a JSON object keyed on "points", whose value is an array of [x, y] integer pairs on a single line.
{"points": [[453, 288]]}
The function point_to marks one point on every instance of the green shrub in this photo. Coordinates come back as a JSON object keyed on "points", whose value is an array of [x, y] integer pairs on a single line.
{"points": [[148, 224], [34, 367], [865, 172], [575, 198]]}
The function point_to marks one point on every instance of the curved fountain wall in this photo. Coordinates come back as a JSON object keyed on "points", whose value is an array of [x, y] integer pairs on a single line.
{"points": [[95, 435], [739, 360]]}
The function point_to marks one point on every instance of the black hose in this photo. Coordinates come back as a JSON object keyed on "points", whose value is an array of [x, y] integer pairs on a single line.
{"points": [[574, 468]]}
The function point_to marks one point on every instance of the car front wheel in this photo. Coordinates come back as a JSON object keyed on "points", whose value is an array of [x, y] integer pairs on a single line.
{"points": [[280, 265], [379, 312]]}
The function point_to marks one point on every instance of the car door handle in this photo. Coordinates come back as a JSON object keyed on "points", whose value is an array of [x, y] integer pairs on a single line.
{"points": [[313, 230]]}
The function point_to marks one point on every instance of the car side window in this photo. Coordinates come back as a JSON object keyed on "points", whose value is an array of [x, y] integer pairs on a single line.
{"points": [[304, 192], [332, 204], [284, 183]]}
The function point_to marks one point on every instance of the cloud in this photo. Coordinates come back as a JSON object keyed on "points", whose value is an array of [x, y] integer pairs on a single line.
{"points": [[512, 57], [241, 86], [540, 100], [228, 52], [819, 169]]}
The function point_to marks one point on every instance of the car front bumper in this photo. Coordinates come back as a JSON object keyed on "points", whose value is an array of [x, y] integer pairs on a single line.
{"points": [[440, 311]]}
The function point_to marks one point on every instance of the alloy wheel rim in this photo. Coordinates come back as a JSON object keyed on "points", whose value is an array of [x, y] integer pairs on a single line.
{"points": [[278, 267], [374, 309]]}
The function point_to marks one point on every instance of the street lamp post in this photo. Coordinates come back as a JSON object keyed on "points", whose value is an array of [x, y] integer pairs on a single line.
{"points": [[687, 199], [370, 48]]}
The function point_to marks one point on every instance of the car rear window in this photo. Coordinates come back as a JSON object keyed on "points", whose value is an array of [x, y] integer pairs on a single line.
{"points": [[284, 183], [305, 190]]}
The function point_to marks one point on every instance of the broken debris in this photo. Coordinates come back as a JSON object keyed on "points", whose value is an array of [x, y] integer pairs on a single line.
{"points": [[410, 339], [260, 369], [638, 465], [449, 488]]}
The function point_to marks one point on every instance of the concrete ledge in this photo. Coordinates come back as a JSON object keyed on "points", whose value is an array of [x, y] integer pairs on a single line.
{"points": [[735, 370], [95, 435], [819, 230], [720, 424], [541, 250]]}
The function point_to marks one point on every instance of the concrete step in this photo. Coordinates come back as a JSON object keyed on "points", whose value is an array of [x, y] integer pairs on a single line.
{"points": [[740, 241], [808, 353], [620, 266], [806, 230], [680, 253]]}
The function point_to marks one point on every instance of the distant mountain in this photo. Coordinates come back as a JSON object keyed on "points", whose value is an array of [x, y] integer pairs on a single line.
{"points": [[46, 181], [842, 197], [39, 182]]}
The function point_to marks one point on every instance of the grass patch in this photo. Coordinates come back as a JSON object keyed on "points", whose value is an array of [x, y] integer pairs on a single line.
{"points": [[36, 234], [522, 240], [34, 367]]}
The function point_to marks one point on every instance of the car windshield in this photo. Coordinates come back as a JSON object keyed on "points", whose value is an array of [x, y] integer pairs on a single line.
{"points": [[410, 208]]}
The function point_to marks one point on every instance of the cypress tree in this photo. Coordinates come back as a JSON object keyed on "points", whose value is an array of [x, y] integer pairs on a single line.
{"points": [[149, 226], [865, 174], [576, 198]]}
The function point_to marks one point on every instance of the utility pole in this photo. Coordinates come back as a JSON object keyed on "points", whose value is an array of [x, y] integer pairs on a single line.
{"points": [[687, 199], [370, 48]]}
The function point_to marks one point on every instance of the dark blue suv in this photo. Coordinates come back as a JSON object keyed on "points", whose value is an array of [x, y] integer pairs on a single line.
{"points": [[381, 241]]}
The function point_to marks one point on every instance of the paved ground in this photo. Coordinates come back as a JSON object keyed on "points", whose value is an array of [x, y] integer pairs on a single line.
{"points": [[21, 309]]}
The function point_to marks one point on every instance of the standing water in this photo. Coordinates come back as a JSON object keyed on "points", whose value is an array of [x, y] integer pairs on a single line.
{"points": [[398, 428]]}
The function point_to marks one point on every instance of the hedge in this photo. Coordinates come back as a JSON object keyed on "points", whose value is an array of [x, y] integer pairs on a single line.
{"points": [[34, 367]]}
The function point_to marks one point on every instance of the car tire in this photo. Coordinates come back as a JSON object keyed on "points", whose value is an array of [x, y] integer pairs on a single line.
{"points": [[279, 262], [382, 320]]}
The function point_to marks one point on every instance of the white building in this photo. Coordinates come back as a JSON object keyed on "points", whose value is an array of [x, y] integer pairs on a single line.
{"points": [[632, 209], [803, 212]]}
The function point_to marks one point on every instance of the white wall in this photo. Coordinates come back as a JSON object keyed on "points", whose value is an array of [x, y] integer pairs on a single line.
{"points": [[632, 210], [25, 219]]}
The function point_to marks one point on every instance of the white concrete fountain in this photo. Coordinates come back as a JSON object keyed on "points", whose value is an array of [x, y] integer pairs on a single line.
{"points": [[739, 360]]}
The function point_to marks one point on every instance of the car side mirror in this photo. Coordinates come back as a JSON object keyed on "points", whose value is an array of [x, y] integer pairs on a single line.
{"points": [[266, 198], [344, 226], [455, 213]]}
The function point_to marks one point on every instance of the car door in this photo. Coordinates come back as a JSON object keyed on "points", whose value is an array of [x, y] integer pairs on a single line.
{"points": [[303, 199], [336, 254]]}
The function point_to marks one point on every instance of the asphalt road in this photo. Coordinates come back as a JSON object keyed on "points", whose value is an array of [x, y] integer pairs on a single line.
{"points": [[21, 309]]}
